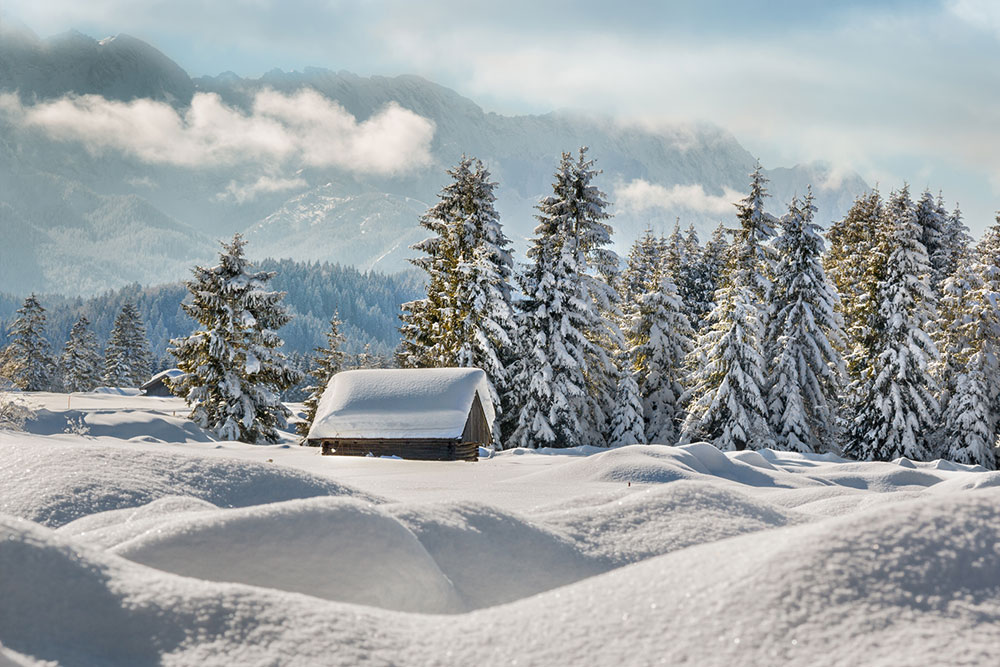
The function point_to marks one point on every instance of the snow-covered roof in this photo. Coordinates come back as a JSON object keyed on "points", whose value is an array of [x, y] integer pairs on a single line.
{"points": [[162, 375], [400, 403]]}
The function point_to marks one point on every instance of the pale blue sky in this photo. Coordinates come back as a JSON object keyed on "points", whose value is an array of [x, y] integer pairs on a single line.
{"points": [[896, 90]]}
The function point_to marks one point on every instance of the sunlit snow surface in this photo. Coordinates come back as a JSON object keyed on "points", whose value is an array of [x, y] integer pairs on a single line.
{"points": [[147, 542]]}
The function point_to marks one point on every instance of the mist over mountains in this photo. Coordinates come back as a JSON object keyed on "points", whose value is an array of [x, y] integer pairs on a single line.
{"points": [[117, 167]]}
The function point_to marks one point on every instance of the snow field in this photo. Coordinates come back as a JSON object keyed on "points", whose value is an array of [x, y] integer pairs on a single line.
{"points": [[199, 552]]}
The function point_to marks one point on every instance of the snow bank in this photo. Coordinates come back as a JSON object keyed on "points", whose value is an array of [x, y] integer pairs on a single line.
{"points": [[662, 519], [54, 480], [331, 548], [399, 403], [917, 586]]}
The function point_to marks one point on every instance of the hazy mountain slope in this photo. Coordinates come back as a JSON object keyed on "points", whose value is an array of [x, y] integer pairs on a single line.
{"points": [[121, 67], [82, 218]]}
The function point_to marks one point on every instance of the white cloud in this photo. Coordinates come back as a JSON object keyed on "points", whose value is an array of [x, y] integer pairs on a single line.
{"points": [[639, 195], [241, 193], [303, 128]]}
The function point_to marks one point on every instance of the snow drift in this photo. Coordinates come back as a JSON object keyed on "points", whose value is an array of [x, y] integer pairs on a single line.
{"points": [[54, 480], [917, 586]]}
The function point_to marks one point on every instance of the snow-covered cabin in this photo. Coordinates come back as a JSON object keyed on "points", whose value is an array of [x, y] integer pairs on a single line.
{"points": [[437, 414], [157, 386]]}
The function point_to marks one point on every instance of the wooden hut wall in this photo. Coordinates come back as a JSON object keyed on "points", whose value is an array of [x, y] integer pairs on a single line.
{"points": [[477, 429], [418, 449]]}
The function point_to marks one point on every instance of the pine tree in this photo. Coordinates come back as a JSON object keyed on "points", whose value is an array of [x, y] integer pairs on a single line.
{"points": [[752, 258], [80, 364], [643, 258], [126, 356], [932, 221], [328, 362], [467, 318], [705, 279], [955, 241], [659, 336], [27, 362], [859, 247], [803, 336], [234, 371], [567, 369], [727, 387], [690, 278], [727, 402], [969, 367], [627, 423], [896, 409], [674, 257]]}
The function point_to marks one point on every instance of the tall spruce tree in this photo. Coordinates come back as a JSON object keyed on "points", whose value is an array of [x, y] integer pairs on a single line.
{"points": [[660, 337], [955, 241], [80, 364], [27, 361], [567, 372], [327, 362], [969, 368], [752, 257], [933, 222], [859, 247], [644, 257], [467, 318], [727, 387], [234, 369], [627, 422], [895, 407], [127, 356], [803, 336], [705, 278]]}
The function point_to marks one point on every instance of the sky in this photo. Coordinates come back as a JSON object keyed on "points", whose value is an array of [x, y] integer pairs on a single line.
{"points": [[897, 91]]}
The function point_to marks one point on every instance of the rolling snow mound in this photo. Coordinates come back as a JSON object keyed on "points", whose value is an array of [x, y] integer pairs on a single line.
{"points": [[54, 480], [917, 586]]}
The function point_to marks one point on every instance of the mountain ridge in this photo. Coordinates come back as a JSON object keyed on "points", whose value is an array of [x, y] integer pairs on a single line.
{"points": [[310, 212]]}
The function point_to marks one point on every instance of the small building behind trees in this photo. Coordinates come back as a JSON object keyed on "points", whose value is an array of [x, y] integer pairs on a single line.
{"points": [[431, 414], [157, 385]]}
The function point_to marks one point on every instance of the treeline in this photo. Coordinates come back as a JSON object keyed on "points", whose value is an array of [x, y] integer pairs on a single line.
{"points": [[367, 301], [884, 346]]}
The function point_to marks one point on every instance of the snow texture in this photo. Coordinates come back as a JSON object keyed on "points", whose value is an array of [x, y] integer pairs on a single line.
{"points": [[203, 552], [401, 403]]}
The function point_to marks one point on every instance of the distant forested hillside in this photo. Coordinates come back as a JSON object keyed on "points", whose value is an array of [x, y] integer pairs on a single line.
{"points": [[368, 304]]}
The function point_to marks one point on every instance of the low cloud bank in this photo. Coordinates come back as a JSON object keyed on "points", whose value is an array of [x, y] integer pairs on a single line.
{"points": [[304, 128], [639, 195]]}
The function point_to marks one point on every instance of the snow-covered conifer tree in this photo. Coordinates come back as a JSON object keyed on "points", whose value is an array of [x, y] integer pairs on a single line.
{"points": [[895, 410], [27, 362], [955, 241], [803, 335], [234, 370], [643, 258], [659, 337], [969, 368], [467, 318], [328, 362], [80, 364], [727, 387], [568, 375], [126, 356], [752, 258], [859, 247], [933, 222], [705, 278], [726, 383], [627, 421]]}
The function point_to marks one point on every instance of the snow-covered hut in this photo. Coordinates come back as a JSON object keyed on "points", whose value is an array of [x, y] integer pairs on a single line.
{"points": [[157, 386], [437, 414]]}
